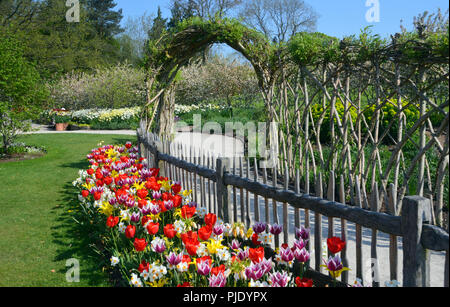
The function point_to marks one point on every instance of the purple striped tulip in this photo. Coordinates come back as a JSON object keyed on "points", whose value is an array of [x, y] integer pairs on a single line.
{"points": [[276, 229]]}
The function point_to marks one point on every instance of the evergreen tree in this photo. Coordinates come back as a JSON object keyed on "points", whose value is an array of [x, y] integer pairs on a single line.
{"points": [[158, 27], [105, 20], [58, 46]]}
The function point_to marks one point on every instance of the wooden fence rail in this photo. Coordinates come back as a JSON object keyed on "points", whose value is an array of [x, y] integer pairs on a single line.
{"points": [[215, 179]]}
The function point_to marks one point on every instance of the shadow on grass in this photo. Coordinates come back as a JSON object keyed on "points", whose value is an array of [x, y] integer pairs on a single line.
{"points": [[77, 239]]}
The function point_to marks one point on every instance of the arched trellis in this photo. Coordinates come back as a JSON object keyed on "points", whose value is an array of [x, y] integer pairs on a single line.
{"points": [[174, 50]]}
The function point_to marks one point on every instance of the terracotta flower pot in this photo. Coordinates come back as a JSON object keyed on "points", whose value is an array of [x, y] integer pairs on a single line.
{"points": [[61, 126]]}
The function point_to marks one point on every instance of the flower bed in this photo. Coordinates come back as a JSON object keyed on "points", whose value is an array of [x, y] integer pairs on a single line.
{"points": [[155, 235]]}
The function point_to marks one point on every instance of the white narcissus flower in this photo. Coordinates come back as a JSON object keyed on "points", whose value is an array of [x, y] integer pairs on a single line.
{"points": [[201, 212], [179, 226], [114, 261], [183, 267], [122, 227], [202, 251], [223, 254], [135, 281]]}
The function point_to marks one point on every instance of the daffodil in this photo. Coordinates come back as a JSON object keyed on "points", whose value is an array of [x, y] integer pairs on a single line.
{"points": [[187, 193], [106, 209], [213, 246], [165, 185], [88, 186], [138, 186], [177, 213], [249, 233]]}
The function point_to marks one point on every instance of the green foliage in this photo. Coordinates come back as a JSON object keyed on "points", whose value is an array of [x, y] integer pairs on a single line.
{"points": [[389, 115], [311, 48], [21, 92]]}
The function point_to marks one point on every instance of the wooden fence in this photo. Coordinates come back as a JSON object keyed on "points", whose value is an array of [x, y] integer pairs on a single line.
{"points": [[225, 186]]}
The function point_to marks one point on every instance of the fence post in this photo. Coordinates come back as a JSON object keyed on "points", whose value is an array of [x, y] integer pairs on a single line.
{"points": [[157, 146], [416, 259], [139, 144], [223, 191]]}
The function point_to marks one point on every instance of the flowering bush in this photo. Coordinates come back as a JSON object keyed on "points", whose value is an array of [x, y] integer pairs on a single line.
{"points": [[157, 236], [112, 87]]}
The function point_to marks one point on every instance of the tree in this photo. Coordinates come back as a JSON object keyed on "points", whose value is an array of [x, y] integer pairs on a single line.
{"points": [[158, 27], [207, 9], [180, 10], [132, 40], [220, 80], [17, 12], [105, 20], [21, 92], [279, 19], [58, 46]]}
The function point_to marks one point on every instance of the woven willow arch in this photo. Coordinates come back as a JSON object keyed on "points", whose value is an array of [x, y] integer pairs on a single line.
{"points": [[174, 50]]}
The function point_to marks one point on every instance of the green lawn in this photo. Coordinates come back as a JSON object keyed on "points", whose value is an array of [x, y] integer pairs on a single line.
{"points": [[37, 232]]}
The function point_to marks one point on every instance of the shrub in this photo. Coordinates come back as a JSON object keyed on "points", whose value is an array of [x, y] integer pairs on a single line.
{"points": [[112, 87]]}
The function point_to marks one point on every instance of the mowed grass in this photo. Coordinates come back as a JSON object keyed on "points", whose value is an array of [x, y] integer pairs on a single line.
{"points": [[37, 232]]}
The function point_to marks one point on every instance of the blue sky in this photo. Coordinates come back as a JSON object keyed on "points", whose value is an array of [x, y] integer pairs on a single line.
{"points": [[338, 18]]}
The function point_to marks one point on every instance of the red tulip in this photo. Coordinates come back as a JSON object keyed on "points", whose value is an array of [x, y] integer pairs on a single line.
{"points": [[187, 212], [97, 195], [218, 270], [152, 185], [130, 231], [177, 200], [85, 193], [112, 221], [144, 266], [142, 203], [153, 228], [205, 232], [210, 219], [186, 259], [256, 254], [190, 238], [255, 239], [191, 249], [169, 231], [98, 174], [176, 188], [166, 196], [184, 285], [303, 282], [140, 244], [335, 245], [90, 171], [142, 194], [108, 180]]}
